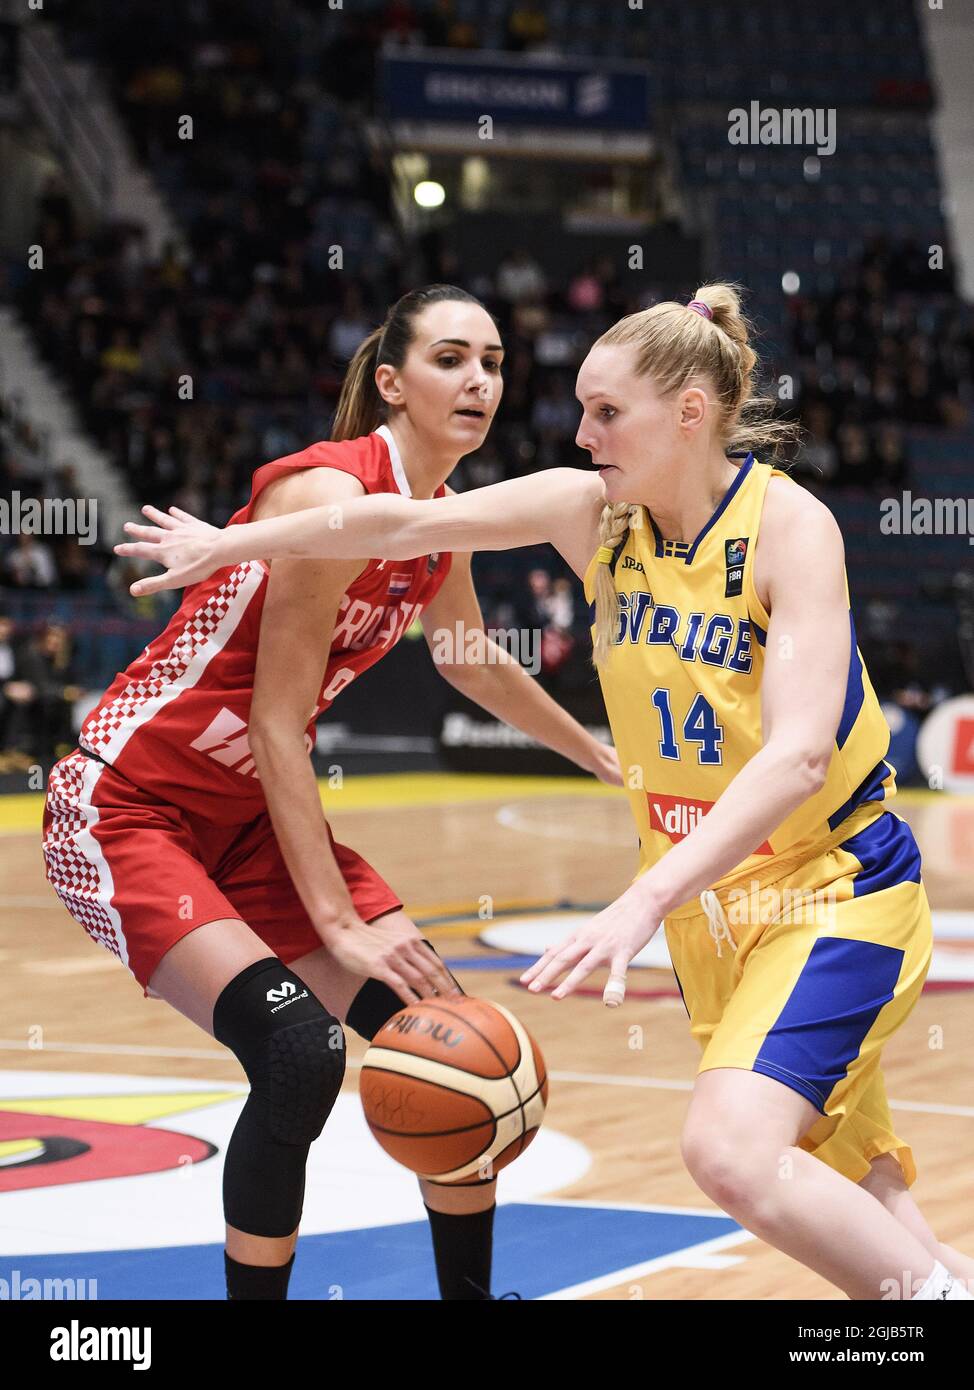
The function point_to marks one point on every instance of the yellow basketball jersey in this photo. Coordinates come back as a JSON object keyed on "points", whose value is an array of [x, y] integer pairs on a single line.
{"points": [[682, 685]]}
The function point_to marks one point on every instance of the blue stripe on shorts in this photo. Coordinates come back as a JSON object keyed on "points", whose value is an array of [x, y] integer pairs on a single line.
{"points": [[834, 1003], [888, 854]]}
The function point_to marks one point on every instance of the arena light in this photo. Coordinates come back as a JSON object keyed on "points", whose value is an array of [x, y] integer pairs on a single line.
{"points": [[429, 194], [790, 282]]}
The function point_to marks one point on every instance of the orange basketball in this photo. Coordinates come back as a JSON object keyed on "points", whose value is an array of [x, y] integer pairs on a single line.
{"points": [[454, 1089]]}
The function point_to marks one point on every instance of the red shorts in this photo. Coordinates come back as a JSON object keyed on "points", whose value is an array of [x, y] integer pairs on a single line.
{"points": [[139, 874]]}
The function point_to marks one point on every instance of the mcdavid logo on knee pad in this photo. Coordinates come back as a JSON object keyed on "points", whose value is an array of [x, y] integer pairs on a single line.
{"points": [[286, 993]]}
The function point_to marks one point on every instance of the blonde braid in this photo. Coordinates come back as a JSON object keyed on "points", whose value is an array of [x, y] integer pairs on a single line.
{"points": [[614, 523]]}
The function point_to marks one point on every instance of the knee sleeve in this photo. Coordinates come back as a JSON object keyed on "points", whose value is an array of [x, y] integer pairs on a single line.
{"points": [[293, 1051], [374, 1005]]}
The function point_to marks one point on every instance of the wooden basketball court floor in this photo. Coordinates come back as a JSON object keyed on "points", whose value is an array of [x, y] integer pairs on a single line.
{"points": [[457, 848]]}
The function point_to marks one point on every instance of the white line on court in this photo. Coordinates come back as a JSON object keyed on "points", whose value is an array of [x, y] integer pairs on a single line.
{"points": [[584, 1078], [117, 1050], [676, 1258], [594, 1078], [8, 900], [513, 817]]}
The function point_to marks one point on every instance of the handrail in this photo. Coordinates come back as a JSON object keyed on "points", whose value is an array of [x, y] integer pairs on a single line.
{"points": [[66, 111]]}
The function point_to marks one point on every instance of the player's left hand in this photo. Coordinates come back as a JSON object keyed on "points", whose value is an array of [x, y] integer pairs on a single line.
{"points": [[612, 938], [184, 545]]}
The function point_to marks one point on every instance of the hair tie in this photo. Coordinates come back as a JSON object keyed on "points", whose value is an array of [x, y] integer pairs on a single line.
{"points": [[698, 307], [605, 555]]}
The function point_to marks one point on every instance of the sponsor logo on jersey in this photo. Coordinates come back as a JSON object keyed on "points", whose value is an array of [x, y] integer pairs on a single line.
{"points": [[225, 740], [677, 816], [629, 563], [735, 552]]}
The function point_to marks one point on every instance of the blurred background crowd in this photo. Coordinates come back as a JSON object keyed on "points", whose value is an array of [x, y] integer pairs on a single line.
{"points": [[192, 367]]}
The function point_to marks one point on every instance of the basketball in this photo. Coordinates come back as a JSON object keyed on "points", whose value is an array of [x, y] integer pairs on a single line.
{"points": [[450, 1087]]}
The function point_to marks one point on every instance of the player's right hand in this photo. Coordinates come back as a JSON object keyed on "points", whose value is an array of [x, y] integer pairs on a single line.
{"points": [[187, 547], [391, 950]]}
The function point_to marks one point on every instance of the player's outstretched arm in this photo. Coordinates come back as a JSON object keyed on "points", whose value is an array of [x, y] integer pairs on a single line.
{"points": [[544, 506]]}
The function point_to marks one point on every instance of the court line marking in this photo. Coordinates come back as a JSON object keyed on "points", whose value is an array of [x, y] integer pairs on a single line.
{"points": [[705, 1261], [118, 1050], [15, 900], [21, 812], [586, 1078], [512, 816], [645, 1267], [596, 1204], [70, 965], [523, 817]]}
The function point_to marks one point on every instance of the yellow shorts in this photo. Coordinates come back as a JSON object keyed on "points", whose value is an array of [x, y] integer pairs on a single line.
{"points": [[806, 977]]}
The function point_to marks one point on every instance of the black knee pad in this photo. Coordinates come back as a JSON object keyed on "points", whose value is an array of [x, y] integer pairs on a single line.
{"points": [[293, 1051], [374, 1005]]}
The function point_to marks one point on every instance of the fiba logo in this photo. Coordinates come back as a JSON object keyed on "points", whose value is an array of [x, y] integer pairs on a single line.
{"points": [[735, 551]]}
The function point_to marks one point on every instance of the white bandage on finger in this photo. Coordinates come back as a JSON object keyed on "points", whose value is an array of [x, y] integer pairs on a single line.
{"points": [[615, 991]]}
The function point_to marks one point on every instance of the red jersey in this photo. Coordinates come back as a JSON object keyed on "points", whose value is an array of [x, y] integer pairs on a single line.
{"points": [[174, 722]]}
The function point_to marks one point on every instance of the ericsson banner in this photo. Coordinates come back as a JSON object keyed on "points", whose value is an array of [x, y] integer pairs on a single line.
{"points": [[561, 93]]}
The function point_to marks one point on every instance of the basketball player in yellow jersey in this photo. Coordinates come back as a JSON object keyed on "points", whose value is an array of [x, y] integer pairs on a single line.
{"points": [[754, 752]]}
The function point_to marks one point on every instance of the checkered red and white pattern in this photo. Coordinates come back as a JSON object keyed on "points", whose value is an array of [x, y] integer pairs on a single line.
{"points": [[76, 867], [109, 727]]}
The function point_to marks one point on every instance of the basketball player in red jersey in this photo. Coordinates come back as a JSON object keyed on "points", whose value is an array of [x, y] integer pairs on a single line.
{"points": [[186, 833]]}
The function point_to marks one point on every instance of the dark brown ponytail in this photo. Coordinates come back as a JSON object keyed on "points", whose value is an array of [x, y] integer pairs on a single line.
{"points": [[360, 407]]}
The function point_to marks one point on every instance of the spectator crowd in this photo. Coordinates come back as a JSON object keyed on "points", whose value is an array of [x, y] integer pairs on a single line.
{"points": [[38, 688], [193, 368]]}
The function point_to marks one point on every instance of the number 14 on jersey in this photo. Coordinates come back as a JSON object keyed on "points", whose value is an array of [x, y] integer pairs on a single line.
{"points": [[700, 726]]}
